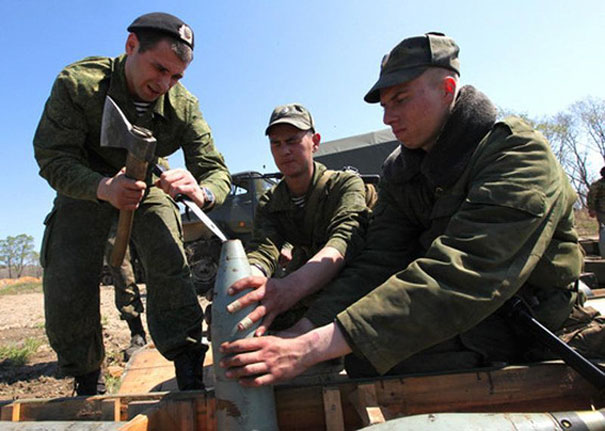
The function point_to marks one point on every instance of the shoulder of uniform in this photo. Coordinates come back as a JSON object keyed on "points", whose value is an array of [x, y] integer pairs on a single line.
{"points": [[519, 128], [180, 97], [86, 73], [515, 125], [340, 177]]}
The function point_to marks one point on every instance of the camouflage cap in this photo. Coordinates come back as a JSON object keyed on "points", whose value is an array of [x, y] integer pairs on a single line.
{"points": [[164, 23], [294, 114], [411, 57]]}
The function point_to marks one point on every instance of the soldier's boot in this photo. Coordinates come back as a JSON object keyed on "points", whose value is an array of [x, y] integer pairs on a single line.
{"points": [[91, 383], [189, 368], [137, 337]]}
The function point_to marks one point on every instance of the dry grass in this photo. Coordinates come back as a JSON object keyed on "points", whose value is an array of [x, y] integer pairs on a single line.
{"points": [[586, 225]]}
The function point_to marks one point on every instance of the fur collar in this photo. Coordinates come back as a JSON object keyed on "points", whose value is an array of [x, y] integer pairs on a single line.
{"points": [[471, 119]]}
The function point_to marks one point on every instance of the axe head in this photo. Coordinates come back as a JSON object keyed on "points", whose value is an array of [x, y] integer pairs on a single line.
{"points": [[117, 132]]}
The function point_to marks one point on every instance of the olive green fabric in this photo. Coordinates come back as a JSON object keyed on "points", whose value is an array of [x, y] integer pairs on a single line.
{"points": [[595, 199], [411, 57], [338, 220], [335, 215], [67, 141], [294, 114], [67, 149], [447, 247]]}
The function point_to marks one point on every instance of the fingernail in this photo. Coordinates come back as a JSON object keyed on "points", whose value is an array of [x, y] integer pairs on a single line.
{"points": [[245, 323], [230, 291]]}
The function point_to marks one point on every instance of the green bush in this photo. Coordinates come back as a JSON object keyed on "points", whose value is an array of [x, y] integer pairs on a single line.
{"points": [[19, 354]]}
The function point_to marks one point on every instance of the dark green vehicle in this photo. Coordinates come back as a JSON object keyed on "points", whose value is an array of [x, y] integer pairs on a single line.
{"points": [[235, 217]]}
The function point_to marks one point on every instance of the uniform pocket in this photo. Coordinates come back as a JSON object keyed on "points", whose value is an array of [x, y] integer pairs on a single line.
{"points": [[48, 222]]}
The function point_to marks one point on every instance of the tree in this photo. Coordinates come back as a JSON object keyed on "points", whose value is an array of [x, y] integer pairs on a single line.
{"points": [[576, 136], [16, 252]]}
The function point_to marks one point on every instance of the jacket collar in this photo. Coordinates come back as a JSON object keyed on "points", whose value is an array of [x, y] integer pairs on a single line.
{"points": [[281, 200], [471, 119], [118, 90]]}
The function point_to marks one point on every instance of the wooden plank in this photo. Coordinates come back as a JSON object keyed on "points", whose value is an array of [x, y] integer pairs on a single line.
{"points": [[148, 371], [6, 413], [365, 401], [538, 388], [16, 416], [333, 409]]}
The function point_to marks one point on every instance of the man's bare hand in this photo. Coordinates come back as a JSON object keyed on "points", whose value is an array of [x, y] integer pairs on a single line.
{"points": [[180, 181], [272, 295], [265, 360], [122, 192]]}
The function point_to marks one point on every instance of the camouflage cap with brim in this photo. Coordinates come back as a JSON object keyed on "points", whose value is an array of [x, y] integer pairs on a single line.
{"points": [[294, 114], [411, 57]]}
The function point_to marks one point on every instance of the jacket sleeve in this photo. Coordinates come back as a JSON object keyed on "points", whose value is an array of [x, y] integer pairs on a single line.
{"points": [[390, 245], [265, 246], [59, 143], [202, 159], [348, 220], [517, 194]]}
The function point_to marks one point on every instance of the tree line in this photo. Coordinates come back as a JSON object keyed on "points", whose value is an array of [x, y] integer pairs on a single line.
{"points": [[16, 253]]}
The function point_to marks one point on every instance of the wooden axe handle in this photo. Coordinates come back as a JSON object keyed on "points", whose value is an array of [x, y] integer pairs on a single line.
{"points": [[135, 169]]}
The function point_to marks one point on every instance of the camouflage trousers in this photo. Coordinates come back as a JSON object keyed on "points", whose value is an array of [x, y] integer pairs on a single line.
{"points": [[127, 296], [72, 256]]}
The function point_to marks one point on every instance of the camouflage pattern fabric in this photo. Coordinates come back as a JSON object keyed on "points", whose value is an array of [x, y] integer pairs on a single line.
{"points": [[67, 149], [595, 199]]}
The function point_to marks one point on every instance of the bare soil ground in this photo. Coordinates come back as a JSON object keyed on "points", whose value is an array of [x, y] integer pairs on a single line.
{"points": [[22, 317]]}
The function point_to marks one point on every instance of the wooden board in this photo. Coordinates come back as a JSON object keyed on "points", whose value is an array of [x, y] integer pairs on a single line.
{"points": [[546, 387], [148, 371]]}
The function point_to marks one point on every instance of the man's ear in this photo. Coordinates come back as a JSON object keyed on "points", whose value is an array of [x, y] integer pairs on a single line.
{"points": [[449, 87], [316, 140], [132, 43]]}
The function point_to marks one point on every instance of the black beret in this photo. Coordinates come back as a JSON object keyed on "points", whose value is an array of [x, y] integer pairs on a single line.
{"points": [[164, 23]]}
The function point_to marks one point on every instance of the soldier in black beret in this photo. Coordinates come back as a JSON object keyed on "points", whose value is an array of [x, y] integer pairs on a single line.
{"points": [[92, 187]]}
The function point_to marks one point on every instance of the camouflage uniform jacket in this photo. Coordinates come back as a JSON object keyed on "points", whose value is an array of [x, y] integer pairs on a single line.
{"points": [[67, 141], [338, 220], [595, 200], [456, 232]]}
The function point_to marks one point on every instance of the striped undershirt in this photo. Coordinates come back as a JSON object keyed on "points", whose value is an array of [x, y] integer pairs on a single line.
{"points": [[142, 107], [298, 201]]}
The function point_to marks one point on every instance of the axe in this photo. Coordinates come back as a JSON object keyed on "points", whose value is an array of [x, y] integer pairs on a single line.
{"points": [[117, 132]]}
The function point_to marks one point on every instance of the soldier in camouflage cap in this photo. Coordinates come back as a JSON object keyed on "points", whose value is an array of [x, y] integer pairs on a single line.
{"points": [[321, 213], [595, 200], [471, 211], [92, 188]]}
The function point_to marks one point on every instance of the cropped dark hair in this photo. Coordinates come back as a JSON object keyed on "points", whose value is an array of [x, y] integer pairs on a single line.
{"points": [[148, 39]]}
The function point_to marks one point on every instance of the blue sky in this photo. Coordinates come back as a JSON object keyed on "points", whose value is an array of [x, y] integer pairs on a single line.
{"points": [[536, 57]]}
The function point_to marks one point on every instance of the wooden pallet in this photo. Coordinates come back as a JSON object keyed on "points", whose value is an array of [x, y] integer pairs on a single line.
{"points": [[346, 405]]}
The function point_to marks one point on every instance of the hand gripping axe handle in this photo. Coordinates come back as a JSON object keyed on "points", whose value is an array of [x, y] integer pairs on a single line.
{"points": [[117, 132]]}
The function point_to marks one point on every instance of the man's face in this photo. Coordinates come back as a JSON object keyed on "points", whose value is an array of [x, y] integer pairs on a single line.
{"points": [[416, 111], [151, 73], [293, 149]]}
